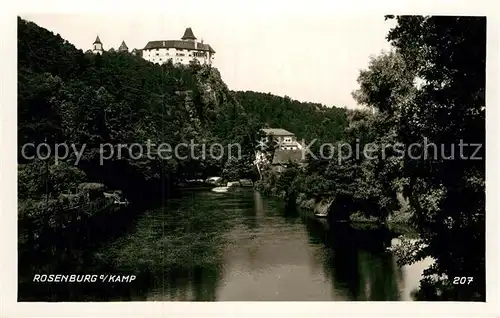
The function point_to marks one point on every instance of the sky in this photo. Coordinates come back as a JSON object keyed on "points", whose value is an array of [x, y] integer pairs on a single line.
{"points": [[309, 56]]}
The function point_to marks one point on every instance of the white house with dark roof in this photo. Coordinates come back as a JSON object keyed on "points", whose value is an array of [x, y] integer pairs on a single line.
{"points": [[285, 149], [181, 51], [284, 139]]}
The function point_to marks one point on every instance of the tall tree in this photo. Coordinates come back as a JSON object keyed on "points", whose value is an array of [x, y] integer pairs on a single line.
{"points": [[447, 190]]}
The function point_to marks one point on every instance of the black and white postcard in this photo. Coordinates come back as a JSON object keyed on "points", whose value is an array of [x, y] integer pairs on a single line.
{"points": [[269, 155]]}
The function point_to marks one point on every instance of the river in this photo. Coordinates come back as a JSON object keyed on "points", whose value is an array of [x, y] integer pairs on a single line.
{"points": [[235, 246]]}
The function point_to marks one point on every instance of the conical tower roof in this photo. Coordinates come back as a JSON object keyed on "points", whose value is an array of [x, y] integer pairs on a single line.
{"points": [[123, 47], [188, 35], [97, 40]]}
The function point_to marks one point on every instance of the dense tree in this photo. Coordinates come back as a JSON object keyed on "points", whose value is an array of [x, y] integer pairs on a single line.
{"points": [[387, 84], [427, 92], [447, 193]]}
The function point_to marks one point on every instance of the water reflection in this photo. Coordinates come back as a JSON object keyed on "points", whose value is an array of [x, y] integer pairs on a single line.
{"points": [[209, 246], [357, 261]]}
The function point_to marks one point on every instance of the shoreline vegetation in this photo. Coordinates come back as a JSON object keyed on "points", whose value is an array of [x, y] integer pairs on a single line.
{"points": [[68, 96], [399, 221]]}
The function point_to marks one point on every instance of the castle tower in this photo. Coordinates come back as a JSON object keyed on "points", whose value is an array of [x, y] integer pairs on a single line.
{"points": [[123, 47], [188, 35], [97, 46]]}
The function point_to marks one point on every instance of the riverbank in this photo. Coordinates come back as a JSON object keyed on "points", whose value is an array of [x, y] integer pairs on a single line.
{"points": [[67, 221], [399, 221]]}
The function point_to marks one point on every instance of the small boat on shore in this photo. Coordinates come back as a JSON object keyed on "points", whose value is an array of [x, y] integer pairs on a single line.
{"points": [[220, 189], [116, 198], [212, 180], [321, 215], [120, 201]]}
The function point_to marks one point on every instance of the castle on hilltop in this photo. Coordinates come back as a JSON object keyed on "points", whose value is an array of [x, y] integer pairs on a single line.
{"points": [[181, 51]]}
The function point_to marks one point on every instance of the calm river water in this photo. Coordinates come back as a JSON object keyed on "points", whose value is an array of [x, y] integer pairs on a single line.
{"points": [[206, 246]]}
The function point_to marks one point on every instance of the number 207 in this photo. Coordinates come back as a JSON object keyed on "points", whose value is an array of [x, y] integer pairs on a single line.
{"points": [[462, 280]]}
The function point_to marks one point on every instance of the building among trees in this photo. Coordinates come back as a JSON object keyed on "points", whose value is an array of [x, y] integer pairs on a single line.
{"points": [[181, 51], [123, 47], [284, 139], [278, 148], [97, 46]]}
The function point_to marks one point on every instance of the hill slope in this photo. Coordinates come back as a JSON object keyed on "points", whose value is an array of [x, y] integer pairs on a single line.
{"points": [[66, 96]]}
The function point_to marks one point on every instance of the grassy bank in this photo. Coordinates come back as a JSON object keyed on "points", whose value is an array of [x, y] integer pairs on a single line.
{"points": [[398, 221]]}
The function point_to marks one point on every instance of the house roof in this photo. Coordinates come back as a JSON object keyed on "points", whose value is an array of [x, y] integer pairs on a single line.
{"points": [[188, 35], [123, 47], [97, 40], [178, 44], [284, 156], [277, 132]]}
